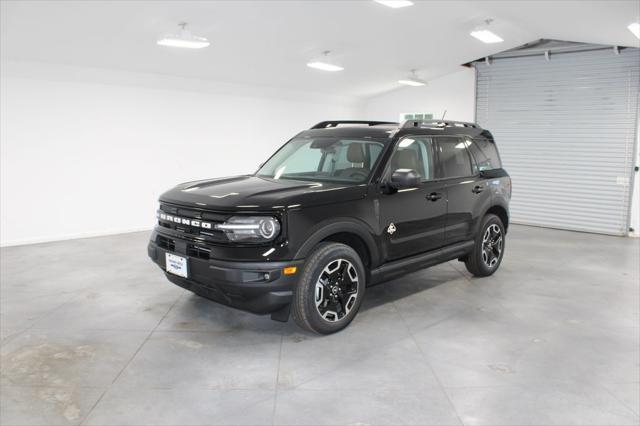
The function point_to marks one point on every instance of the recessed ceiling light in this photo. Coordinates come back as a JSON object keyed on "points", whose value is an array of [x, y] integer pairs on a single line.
{"points": [[412, 80], [395, 4], [414, 83], [323, 65], [484, 35], [635, 29], [184, 39]]}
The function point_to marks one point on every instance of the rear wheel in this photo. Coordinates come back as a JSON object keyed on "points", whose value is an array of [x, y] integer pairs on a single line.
{"points": [[330, 290], [488, 250]]}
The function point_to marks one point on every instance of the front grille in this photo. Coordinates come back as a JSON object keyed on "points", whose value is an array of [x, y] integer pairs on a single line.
{"points": [[166, 243], [193, 250], [206, 235], [198, 251]]}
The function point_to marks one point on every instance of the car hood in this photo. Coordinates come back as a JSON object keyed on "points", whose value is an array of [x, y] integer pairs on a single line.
{"points": [[250, 192]]}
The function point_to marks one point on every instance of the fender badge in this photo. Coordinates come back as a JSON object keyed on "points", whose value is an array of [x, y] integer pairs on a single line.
{"points": [[391, 229]]}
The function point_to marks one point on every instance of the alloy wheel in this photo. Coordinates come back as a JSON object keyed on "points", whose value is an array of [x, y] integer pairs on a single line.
{"points": [[492, 245], [336, 290]]}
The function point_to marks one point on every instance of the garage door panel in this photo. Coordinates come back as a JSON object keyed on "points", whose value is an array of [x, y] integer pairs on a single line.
{"points": [[581, 198], [554, 74], [587, 93], [566, 129]]}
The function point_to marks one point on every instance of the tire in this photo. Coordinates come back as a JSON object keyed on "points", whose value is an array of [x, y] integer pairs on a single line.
{"points": [[485, 259], [325, 300]]}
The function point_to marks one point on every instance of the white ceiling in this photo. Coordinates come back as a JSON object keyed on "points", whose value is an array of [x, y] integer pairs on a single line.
{"points": [[268, 43]]}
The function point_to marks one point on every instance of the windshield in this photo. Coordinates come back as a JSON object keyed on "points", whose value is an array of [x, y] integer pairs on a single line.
{"points": [[324, 159]]}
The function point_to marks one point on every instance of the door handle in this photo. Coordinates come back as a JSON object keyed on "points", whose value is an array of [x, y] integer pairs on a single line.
{"points": [[477, 189], [434, 196]]}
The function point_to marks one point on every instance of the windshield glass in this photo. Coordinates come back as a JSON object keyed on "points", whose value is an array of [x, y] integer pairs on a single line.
{"points": [[324, 158]]}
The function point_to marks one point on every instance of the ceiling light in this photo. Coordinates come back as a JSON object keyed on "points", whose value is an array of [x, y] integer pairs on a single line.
{"points": [[412, 80], [323, 65], [184, 39], [635, 29], [484, 35], [395, 4]]}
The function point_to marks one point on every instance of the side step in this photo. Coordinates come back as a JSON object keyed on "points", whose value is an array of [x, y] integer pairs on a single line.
{"points": [[399, 267]]}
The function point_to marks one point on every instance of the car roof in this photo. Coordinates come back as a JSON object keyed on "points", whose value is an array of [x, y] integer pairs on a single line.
{"points": [[374, 132], [389, 131]]}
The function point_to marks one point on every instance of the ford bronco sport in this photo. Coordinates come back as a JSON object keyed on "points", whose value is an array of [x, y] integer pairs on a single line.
{"points": [[341, 206]]}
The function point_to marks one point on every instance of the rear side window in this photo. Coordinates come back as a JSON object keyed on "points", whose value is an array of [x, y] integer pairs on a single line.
{"points": [[485, 153], [454, 157]]}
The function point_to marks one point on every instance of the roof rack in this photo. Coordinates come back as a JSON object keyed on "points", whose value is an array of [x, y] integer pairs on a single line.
{"points": [[336, 123], [437, 124]]}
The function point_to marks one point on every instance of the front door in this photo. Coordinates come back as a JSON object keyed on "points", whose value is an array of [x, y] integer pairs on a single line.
{"points": [[412, 219]]}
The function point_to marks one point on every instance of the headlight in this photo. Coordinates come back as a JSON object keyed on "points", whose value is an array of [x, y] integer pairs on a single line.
{"points": [[250, 228]]}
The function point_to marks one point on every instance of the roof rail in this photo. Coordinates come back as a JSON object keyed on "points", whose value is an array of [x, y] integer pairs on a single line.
{"points": [[437, 123], [335, 123]]}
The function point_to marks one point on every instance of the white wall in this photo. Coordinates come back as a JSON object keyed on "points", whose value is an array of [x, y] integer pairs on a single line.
{"points": [[87, 152], [454, 92]]}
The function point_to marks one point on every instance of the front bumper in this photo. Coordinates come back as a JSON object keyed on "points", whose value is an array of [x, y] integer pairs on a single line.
{"points": [[257, 287]]}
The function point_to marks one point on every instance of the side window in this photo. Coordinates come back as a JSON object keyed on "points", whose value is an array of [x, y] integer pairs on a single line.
{"points": [[413, 153], [485, 153], [454, 157]]}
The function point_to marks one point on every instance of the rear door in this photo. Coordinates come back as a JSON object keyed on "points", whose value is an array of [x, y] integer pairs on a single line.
{"points": [[468, 193], [412, 219]]}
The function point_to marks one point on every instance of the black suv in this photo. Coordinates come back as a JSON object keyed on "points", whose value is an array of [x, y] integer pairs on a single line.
{"points": [[341, 206]]}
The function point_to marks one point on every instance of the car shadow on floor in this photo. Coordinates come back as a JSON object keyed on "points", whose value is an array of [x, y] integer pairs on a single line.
{"points": [[195, 313], [408, 285]]}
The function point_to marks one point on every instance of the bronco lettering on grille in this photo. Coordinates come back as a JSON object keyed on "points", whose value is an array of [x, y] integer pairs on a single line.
{"points": [[185, 221]]}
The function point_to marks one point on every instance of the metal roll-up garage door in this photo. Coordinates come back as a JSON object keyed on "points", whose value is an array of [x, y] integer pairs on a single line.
{"points": [[566, 129]]}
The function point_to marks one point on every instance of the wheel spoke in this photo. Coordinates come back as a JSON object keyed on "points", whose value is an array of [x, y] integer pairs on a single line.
{"points": [[344, 274], [342, 304], [338, 306]]}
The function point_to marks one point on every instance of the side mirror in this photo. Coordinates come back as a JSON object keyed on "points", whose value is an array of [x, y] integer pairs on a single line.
{"points": [[405, 178]]}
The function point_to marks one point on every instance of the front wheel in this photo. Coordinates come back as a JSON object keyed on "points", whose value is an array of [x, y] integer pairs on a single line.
{"points": [[488, 249], [330, 290]]}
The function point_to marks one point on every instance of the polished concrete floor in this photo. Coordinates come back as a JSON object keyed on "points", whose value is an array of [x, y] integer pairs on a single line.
{"points": [[92, 333]]}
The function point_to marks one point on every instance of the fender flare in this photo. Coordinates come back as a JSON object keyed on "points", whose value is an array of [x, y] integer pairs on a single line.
{"points": [[329, 227], [496, 202]]}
